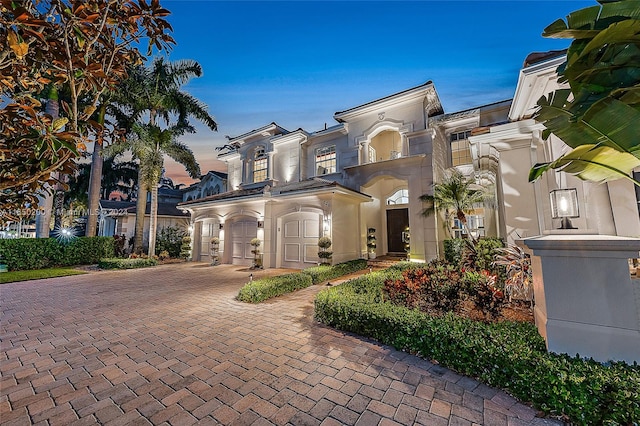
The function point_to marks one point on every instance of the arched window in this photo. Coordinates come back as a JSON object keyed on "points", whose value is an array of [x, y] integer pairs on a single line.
{"points": [[216, 189], [260, 165], [401, 196]]}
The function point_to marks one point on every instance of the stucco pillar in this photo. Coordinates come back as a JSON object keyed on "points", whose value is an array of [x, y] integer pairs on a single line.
{"points": [[586, 301], [404, 147], [365, 152], [270, 240], [246, 171], [196, 242], [270, 166]]}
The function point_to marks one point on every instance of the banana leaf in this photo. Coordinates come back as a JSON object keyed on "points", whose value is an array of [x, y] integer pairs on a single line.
{"points": [[593, 163], [608, 122]]}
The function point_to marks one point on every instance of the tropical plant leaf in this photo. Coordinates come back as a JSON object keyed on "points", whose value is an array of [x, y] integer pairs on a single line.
{"points": [[618, 32], [591, 162], [607, 122]]}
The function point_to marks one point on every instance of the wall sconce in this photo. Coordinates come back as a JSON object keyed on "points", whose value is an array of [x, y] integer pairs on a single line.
{"points": [[564, 205], [221, 226], [261, 224]]}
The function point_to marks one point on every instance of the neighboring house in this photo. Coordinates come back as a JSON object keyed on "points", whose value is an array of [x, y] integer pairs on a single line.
{"points": [[210, 184], [119, 218], [288, 188]]}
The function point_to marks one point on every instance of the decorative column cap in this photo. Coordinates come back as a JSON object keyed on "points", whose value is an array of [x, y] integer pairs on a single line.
{"points": [[583, 245]]}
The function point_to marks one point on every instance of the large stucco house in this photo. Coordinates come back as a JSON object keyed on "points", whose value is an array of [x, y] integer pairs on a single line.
{"points": [[288, 188]]}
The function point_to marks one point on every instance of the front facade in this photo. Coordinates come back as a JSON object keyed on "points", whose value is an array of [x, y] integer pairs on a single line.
{"points": [[289, 188]]}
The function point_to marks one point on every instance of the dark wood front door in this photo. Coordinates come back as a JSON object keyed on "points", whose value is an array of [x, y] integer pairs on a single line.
{"points": [[397, 221]]}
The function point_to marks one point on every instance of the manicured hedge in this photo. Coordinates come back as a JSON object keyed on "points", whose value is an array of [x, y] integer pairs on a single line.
{"points": [[116, 263], [508, 355], [323, 273], [266, 288], [38, 253]]}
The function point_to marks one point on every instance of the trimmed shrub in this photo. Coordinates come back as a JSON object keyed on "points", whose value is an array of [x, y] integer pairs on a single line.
{"points": [[169, 239], [87, 250], [266, 288], [453, 249], [324, 272], [38, 253], [185, 247], [508, 355], [116, 263]]}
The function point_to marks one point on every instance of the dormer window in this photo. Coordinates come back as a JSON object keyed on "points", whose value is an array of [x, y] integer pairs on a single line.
{"points": [[260, 165]]}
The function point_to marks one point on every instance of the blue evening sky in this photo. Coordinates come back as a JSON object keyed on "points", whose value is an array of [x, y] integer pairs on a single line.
{"points": [[298, 62]]}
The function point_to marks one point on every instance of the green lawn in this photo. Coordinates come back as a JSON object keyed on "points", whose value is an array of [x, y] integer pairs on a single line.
{"points": [[36, 274]]}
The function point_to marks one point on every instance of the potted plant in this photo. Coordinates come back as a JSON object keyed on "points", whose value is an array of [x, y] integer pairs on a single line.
{"points": [[257, 257], [215, 244], [324, 254], [406, 239], [371, 243]]}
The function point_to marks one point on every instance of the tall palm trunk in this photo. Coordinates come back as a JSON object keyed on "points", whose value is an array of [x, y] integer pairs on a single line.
{"points": [[45, 200], [141, 206], [95, 178], [153, 219]]}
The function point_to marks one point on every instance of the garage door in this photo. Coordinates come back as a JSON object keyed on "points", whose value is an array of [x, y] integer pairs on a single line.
{"points": [[300, 233], [242, 234]]}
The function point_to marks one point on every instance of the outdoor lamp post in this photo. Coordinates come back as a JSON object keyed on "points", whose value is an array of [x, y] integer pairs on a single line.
{"points": [[564, 206]]}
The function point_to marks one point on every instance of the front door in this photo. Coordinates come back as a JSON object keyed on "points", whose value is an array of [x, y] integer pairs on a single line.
{"points": [[242, 234], [397, 222]]}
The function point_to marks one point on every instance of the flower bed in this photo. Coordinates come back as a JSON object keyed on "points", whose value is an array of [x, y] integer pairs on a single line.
{"points": [[508, 355]]}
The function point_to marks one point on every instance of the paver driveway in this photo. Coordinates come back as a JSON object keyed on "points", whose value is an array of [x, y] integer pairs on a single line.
{"points": [[170, 345]]}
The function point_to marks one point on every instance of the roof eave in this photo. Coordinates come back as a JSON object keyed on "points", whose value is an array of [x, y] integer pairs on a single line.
{"points": [[405, 95]]}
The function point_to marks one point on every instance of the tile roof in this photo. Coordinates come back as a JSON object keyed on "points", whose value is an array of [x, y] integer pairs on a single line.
{"points": [[310, 184]]}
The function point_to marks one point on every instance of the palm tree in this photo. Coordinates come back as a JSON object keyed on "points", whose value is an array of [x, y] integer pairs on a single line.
{"points": [[157, 143], [455, 196], [156, 92]]}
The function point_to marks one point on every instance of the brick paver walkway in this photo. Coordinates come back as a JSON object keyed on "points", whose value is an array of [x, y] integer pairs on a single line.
{"points": [[170, 345]]}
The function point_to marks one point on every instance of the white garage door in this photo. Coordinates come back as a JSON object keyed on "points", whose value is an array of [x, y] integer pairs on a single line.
{"points": [[300, 233], [242, 234]]}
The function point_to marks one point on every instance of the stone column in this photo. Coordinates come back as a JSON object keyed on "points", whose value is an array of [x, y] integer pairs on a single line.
{"points": [[586, 301]]}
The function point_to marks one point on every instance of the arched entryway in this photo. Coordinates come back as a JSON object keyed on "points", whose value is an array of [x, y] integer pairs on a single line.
{"points": [[388, 214], [397, 218]]}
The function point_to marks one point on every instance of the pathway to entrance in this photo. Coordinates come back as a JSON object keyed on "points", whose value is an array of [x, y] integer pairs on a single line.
{"points": [[170, 345]]}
